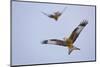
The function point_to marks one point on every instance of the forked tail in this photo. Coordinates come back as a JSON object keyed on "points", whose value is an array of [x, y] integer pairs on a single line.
{"points": [[71, 49]]}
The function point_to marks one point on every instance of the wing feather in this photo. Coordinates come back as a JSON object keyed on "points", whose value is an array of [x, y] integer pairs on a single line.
{"points": [[63, 10], [77, 30], [54, 42]]}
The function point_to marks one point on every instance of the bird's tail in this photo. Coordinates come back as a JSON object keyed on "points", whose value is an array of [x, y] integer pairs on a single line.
{"points": [[71, 49]]}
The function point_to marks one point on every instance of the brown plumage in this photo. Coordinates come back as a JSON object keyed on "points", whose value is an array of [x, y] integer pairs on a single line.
{"points": [[55, 15], [68, 42]]}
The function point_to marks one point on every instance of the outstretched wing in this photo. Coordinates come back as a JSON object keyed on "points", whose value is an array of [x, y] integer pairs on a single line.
{"points": [[54, 42], [49, 15], [63, 10], [77, 30]]}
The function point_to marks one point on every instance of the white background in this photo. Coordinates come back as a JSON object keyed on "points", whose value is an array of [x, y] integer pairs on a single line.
{"points": [[5, 33]]}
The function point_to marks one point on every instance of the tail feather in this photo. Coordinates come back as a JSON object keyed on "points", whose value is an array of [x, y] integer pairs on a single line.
{"points": [[71, 49]]}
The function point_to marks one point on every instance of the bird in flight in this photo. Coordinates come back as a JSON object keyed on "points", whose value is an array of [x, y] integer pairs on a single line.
{"points": [[68, 42], [55, 15]]}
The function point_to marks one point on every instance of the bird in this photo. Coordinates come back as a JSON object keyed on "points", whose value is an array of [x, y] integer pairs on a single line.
{"points": [[68, 42], [55, 15]]}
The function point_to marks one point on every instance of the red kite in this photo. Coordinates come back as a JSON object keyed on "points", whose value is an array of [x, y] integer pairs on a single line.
{"points": [[55, 15], [68, 42]]}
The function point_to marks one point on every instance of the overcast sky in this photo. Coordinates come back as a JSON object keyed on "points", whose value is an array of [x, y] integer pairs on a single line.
{"points": [[30, 27]]}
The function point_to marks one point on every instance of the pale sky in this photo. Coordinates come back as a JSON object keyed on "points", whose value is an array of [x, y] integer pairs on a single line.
{"points": [[30, 27]]}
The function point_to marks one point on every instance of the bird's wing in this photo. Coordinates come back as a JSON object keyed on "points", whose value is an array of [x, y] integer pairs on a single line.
{"points": [[44, 13], [54, 42], [77, 30], [49, 15], [63, 10]]}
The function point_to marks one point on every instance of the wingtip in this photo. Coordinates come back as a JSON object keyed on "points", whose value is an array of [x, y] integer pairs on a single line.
{"points": [[44, 13], [45, 42], [84, 23]]}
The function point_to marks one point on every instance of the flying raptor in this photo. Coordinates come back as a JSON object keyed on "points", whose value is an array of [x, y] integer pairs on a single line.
{"points": [[68, 42], [55, 15]]}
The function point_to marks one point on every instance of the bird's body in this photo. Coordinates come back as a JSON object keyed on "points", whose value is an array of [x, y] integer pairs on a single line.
{"points": [[68, 42]]}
